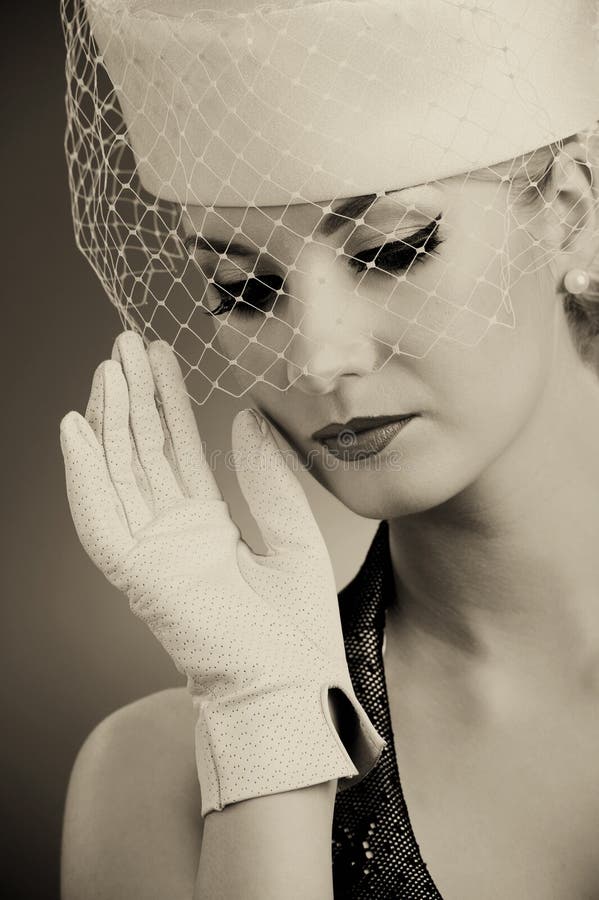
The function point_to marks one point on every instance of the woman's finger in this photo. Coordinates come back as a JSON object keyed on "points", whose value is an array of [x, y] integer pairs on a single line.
{"points": [[97, 514], [180, 423], [274, 495], [146, 428], [94, 413], [95, 416], [170, 453], [116, 443]]}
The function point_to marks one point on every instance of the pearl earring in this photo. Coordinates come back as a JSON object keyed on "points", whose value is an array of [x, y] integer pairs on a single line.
{"points": [[577, 281]]}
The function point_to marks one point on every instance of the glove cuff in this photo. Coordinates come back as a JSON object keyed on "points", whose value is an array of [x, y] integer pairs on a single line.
{"points": [[273, 741]]}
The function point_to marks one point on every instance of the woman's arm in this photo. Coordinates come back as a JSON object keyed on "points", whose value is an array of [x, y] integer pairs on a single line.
{"points": [[132, 824], [133, 829], [258, 636], [276, 847]]}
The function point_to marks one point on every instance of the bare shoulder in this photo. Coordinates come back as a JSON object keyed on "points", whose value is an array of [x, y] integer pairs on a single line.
{"points": [[132, 821]]}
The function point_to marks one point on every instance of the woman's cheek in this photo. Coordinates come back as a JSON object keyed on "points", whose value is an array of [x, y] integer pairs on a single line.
{"points": [[491, 396]]}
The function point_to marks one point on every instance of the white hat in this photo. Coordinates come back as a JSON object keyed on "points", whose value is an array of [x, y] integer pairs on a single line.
{"points": [[309, 101]]}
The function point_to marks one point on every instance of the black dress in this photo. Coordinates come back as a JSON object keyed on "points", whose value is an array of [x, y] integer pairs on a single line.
{"points": [[375, 853]]}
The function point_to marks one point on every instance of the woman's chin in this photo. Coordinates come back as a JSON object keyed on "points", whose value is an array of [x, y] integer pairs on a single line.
{"points": [[388, 492]]}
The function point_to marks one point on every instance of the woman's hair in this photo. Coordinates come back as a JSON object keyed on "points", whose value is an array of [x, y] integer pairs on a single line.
{"points": [[530, 179]]}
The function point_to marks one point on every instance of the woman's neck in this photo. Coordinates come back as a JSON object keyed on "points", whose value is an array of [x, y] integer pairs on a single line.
{"points": [[509, 569]]}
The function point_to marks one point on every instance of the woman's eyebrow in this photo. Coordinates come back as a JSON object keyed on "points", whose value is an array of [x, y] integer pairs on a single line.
{"points": [[349, 209], [353, 208], [196, 242]]}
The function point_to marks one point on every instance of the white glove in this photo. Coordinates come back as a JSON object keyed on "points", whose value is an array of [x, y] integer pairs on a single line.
{"points": [[259, 637]]}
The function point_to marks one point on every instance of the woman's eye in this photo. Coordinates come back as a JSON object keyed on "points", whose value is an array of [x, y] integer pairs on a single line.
{"points": [[397, 256], [248, 297], [252, 296]]}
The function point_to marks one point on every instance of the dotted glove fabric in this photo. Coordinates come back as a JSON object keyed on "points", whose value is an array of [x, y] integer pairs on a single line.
{"points": [[258, 637]]}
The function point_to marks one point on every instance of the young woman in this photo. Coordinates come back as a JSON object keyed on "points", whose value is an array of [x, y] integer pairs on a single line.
{"points": [[475, 442]]}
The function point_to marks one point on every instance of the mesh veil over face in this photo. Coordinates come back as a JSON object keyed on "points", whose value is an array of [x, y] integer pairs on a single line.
{"points": [[233, 170]]}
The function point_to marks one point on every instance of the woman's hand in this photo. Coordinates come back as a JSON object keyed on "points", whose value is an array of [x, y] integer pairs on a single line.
{"points": [[258, 637]]}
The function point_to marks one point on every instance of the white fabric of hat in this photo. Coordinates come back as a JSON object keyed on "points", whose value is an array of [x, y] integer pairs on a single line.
{"points": [[186, 121], [260, 106]]}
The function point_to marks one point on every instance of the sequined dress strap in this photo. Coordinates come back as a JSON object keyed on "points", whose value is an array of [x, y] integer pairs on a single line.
{"points": [[375, 853]]}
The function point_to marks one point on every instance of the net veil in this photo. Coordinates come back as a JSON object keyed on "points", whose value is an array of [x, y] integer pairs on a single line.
{"points": [[264, 184]]}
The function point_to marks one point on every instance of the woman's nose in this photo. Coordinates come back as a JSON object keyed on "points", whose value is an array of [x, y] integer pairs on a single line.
{"points": [[332, 331]]}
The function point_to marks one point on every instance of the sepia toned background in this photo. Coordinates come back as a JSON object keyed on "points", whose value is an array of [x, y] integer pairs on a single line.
{"points": [[71, 651]]}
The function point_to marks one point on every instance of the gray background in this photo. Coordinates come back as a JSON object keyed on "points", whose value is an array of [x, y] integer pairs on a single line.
{"points": [[71, 651]]}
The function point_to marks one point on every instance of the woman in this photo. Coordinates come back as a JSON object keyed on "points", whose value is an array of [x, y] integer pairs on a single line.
{"points": [[425, 342]]}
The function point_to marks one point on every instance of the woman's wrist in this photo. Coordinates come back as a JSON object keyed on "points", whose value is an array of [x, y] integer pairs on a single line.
{"points": [[269, 848], [281, 740]]}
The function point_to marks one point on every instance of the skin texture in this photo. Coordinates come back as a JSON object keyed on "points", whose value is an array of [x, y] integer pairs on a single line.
{"points": [[493, 527], [494, 522], [497, 489], [473, 402]]}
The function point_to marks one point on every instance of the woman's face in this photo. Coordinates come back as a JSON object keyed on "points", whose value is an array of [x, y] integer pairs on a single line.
{"points": [[386, 310]]}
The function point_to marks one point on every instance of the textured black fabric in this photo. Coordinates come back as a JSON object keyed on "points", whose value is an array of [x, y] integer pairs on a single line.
{"points": [[375, 853]]}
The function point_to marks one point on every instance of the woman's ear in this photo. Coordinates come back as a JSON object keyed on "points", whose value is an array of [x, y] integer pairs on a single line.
{"points": [[572, 206]]}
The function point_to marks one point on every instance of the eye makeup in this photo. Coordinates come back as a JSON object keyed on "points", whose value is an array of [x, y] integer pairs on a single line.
{"points": [[250, 293], [251, 297], [396, 256]]}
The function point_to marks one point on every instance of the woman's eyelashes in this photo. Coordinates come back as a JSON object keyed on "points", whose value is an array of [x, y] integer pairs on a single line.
{"points": [[248, 297], [398, 256], [257, 294]]}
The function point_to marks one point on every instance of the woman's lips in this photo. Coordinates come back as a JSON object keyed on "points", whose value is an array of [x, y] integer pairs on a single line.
{"points": [[351, 445]]}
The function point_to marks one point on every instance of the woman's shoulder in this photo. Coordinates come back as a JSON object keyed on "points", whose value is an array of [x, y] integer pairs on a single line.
{"points": [[134, 800], [156, 730], [156, 713]]}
